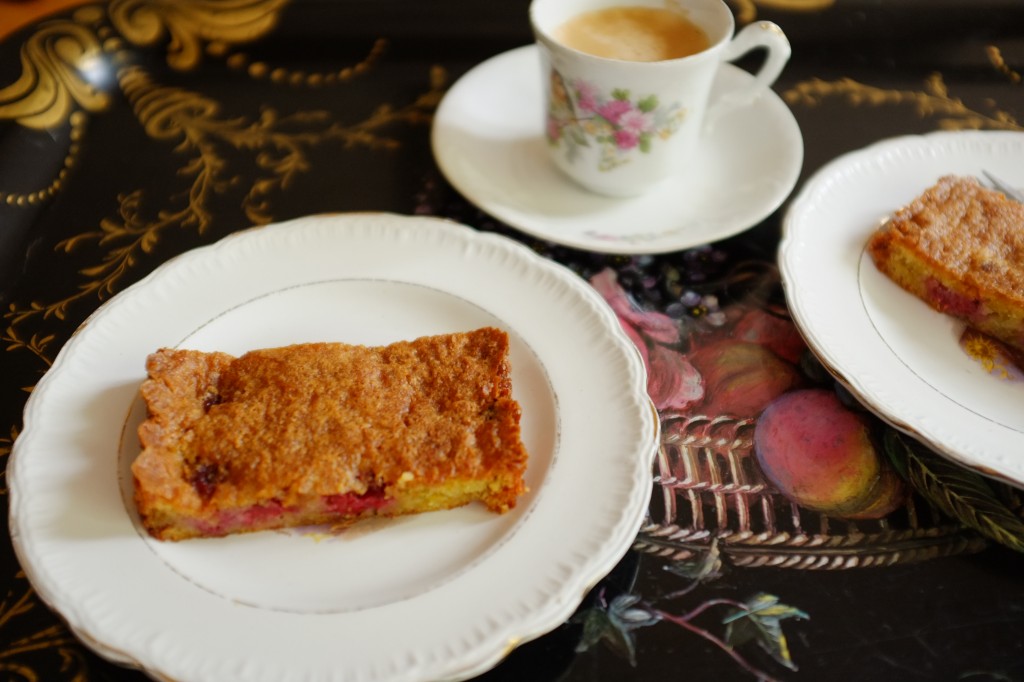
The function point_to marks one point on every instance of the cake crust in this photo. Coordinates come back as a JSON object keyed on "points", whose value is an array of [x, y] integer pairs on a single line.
{"points": [[326, 432], [959, 246]]}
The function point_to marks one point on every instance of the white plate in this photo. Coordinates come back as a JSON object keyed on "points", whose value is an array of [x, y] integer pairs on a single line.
{"points": [[441, 595], [901, 358], [488, 141]]}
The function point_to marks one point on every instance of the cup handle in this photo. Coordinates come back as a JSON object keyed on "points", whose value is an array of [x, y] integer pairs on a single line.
{"points": [[761, 34]]}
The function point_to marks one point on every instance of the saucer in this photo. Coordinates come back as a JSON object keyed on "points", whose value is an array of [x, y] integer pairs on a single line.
{"points": [[488, 141]]}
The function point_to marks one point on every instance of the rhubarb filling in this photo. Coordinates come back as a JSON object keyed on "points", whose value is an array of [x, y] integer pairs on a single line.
{"points": [[338, 508], [952, 302]]}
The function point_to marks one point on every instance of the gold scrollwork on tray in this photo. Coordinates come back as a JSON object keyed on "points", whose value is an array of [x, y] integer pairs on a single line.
{"points": [[995, 57], [65, 63], [68, 65], [193, 124], [195, 127], [56, 62], [934, 100], [6, 442], [24, 603], [259, 70], [63, 60], [192, 24], [77, 121]]}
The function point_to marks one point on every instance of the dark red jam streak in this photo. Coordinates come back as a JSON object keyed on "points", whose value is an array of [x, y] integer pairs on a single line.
{"points": [[261, 513], [205, 479], [952, 302], [264, 514], [353, 503]]}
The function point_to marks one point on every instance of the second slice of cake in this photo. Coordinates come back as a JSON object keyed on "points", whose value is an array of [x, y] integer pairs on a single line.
{"points": [[960, 247], [326, 433]]}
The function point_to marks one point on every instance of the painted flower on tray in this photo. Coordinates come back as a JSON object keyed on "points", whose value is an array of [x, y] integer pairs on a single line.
{"points": [[672, 382], [619, 125]]}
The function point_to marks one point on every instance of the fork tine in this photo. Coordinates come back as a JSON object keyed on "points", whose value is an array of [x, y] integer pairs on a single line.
{"points": [[1003, 187]]}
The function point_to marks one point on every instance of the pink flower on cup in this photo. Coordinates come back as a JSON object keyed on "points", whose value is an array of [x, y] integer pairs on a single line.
{"points": [[581, 116], [614, 110], [626, 139], [586, 96], [637, 122]]}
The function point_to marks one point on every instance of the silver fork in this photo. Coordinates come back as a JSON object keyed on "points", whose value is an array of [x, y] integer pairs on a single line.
{"points": [[1005, 188]]}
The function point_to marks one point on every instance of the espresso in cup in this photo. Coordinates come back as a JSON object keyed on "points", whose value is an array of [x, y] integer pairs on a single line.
{"points": [[636, 34]]}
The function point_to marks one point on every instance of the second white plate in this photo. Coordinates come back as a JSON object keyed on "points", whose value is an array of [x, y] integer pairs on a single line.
{"points": [[900, 357]]}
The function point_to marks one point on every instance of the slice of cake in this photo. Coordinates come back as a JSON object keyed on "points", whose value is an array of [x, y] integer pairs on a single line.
{"points": [[326, 433], [960, 248]]}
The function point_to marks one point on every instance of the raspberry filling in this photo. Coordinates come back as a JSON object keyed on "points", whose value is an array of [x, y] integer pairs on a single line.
{"points": [[249, 518], [352, 503], [271, 514], [951, 302], [258, 514]]}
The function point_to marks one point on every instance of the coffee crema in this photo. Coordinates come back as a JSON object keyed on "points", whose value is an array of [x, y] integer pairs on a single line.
{"points": [[636, 34]]}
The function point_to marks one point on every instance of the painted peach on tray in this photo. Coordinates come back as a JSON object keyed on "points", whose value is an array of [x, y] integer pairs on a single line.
{"points": [[742, 378], [821, 455]]}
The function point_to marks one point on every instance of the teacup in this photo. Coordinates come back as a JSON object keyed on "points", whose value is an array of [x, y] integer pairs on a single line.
{"points": [[619, 126]]}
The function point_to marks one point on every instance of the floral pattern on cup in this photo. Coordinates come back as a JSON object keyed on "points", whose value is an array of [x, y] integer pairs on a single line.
{"points": [[619, 125]]}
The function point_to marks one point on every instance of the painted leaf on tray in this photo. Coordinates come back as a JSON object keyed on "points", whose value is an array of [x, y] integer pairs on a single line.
{"points": [[959, 492], [761, 622], [614, 625]]}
